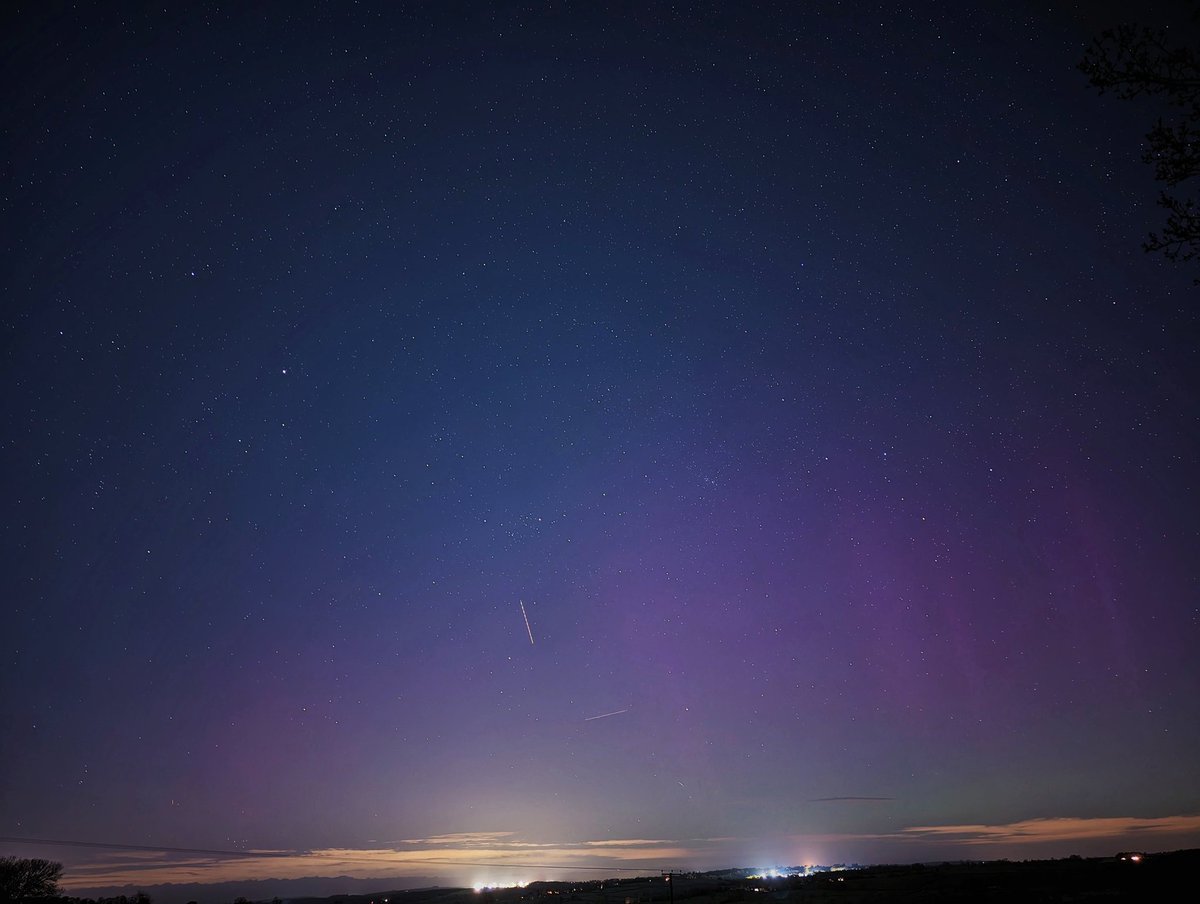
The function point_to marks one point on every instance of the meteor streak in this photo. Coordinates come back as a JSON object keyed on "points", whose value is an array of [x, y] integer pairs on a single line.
{"points": [[615, 712], [526, 617]]}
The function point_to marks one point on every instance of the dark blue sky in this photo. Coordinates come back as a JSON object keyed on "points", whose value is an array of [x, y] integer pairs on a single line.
{"points": [[796, 367]]}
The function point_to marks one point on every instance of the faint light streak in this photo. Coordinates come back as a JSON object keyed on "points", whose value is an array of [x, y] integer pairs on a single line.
{"points": [[818, 800], [521, 603], [615, 712]]}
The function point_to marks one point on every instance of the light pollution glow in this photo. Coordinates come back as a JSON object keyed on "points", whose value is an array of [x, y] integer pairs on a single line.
{"points": [[480, 858]]}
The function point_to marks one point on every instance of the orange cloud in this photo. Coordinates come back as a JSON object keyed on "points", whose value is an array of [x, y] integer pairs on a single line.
{"points": [[1063, 828], [462, 856], [461, 838]]}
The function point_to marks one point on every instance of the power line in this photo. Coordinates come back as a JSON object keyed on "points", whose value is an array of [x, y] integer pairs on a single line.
{"points": [[114, 846]]}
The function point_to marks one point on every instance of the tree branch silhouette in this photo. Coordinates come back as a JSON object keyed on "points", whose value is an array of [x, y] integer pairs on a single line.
{"points": [[1133, 61]]}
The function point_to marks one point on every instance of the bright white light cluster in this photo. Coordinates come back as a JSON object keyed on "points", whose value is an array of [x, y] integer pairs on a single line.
{"points": [[492, 886]]}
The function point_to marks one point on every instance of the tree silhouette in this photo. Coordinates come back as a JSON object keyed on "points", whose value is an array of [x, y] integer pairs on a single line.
{"points": [[1134, 61], [21, 878]]}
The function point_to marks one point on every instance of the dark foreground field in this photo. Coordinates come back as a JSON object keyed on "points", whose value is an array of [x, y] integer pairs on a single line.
{"points": [[1157, 877]]}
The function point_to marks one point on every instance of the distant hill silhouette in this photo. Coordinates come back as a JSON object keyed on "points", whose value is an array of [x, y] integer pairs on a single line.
{"points": [[1154, 877], [267, 889]]}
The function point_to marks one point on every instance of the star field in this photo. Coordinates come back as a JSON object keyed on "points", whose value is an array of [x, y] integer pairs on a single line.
{"points": [[753, 432]]}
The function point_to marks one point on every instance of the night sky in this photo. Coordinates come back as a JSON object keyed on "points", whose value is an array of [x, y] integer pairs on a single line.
{"points": [[588, 434]]}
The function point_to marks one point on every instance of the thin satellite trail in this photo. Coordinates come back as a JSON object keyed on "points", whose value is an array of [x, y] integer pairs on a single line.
{"points": [[615, 712], [526, 617]]}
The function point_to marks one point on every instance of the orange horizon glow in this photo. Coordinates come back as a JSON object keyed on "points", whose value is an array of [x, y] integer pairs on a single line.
{"points": [[472, 857]]}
